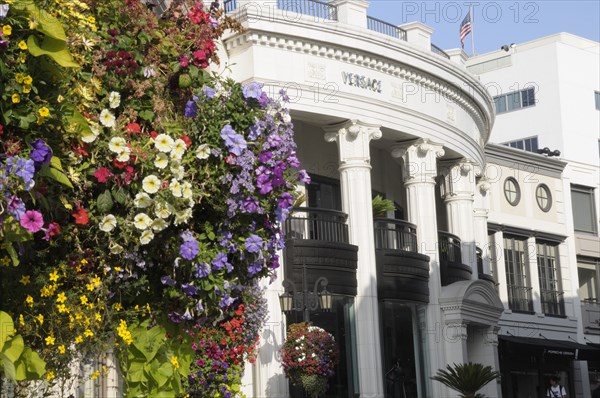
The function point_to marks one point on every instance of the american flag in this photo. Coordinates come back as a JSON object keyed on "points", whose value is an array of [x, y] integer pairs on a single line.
{"points": [[465, 28]]}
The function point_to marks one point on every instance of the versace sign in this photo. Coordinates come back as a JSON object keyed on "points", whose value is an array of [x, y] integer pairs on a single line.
{"points": [[353, 79]]}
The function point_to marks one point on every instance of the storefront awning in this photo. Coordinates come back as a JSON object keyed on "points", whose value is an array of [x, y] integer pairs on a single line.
{"points": [[555, 346]]}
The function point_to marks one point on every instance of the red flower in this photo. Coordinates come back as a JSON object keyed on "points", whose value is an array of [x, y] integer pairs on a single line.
{"points": [[102, 174], [187, 141], [153, 134], [82, 149], [133, 128], [81, 216], [119, 165]]}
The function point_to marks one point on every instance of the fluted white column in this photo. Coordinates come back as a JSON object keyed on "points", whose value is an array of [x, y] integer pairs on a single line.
{"points": [[459, 191], [481, 208], [419, 162], [352, 138]]}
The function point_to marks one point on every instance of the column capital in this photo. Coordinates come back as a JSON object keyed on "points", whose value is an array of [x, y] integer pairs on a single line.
{"points": [[353, 138], [483, 185], [491, 336], [419, 159]]}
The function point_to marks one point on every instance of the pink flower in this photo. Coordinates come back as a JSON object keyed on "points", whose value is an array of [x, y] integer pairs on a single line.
{"points": [[102, 174], [32, 220], [184, 61]]}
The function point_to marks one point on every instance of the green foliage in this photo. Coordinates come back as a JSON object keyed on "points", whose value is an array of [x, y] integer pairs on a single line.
{"points": [[382, 206], [466, 378], [314, 384], [17, 362]]}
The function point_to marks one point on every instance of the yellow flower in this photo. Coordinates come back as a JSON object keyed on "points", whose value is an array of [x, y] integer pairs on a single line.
{"points": [[27, 80], [61, 298], [175, 362], [88, 333], [91, 19], [78, 339], [62, 308], [96, 281], [22, 45], [89, 286], [61, 349], [84, 299], [40, 319], [95, 375], [50, 375], [25, 280], [23, 57], [6, 30], [19, 78], [118, 306], [98, 317], [29, 301], [15, 98], [26, 89], [44, 112], [33, 24], [50, 340], [5, 261], [21, 320], [54, 276]]}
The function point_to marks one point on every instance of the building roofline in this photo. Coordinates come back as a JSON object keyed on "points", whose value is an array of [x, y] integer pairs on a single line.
{"points": [[510, 157]]}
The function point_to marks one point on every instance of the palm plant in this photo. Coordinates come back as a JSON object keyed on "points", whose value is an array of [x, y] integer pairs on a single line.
{"points": [[466, 378]]}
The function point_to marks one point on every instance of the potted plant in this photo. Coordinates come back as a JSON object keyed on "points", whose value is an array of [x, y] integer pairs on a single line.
{"points": [[466, 378], [309, 357]]}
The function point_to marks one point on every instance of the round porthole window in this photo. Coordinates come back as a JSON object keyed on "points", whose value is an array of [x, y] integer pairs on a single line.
{"points": [[543, 197], [512, 192]]}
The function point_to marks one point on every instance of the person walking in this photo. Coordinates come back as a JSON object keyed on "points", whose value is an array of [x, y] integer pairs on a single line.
{"points": [[556, 390]]}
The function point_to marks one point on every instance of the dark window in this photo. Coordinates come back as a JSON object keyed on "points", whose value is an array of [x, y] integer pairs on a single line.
{"points": [[517, 278], [551, 293], [543, 197], [515, 100], [584, 214], [528, 144], [597, 98], [324, 193]]}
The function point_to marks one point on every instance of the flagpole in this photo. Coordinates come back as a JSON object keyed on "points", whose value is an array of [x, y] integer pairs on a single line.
{"points": [[472, 29]]}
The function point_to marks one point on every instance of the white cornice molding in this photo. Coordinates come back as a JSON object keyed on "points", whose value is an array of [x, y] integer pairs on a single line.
{"points": [[376, 62], [510, 157]]}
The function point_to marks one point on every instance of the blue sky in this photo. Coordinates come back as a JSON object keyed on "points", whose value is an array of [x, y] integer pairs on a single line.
{"points": [[495, 22]]}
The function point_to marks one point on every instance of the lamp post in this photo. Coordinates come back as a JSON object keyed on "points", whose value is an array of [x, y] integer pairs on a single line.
{"points": [[305, 300]]}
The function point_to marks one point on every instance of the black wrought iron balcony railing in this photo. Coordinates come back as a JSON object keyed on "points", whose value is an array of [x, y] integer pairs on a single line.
{"points": [[519, 298], [229, 5], [377, 25], [590, 315], [395, 234], [313, 8], [552, 302], [318, 224], [449, 248], [479, 255], [439, 51]]}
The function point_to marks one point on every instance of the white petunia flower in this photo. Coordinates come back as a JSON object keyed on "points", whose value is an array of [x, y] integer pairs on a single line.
{"points": [[179, 148], [108, 223], [161, 161], [177, 170], [163, 210], [91, 135], [286, 117], [146, 237], [151, 184], [114, 99], [107, 118], [175, 188], [142, 200], [182, 217], [142, 221], [123, 156], [159, 224], [115, 248], [164, 143], [117, 144], [203, 151], [186, 190]]}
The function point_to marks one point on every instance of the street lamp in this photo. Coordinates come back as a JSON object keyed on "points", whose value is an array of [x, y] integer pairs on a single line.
{"points": [[305, 300]]}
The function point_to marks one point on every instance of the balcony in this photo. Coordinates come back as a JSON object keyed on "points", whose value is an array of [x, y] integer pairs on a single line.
{"points": [[402, 272], [313, 8], [317, 240], [519, 298], [590, 315], [377, 25], [452, 268], [480, 272], [552, 303]]}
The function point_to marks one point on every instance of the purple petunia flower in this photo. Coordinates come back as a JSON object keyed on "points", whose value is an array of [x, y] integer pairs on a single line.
{"points": [[32, 220], [166, 280], [191, 110], [252, 90], [189, 249], [175, 317], [201, 270], [226, 301], [209, 92], [250, 205], [219, 262], [254, 268], [285, 200], [16, 207], [263, 100], [228, 133], [187, 236], [24, 168], [265, 156], [254, 243], [284, 96], [238, 143], [199, 306], [303, 176], [189, 289], [255, 131], [40, 152]]}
